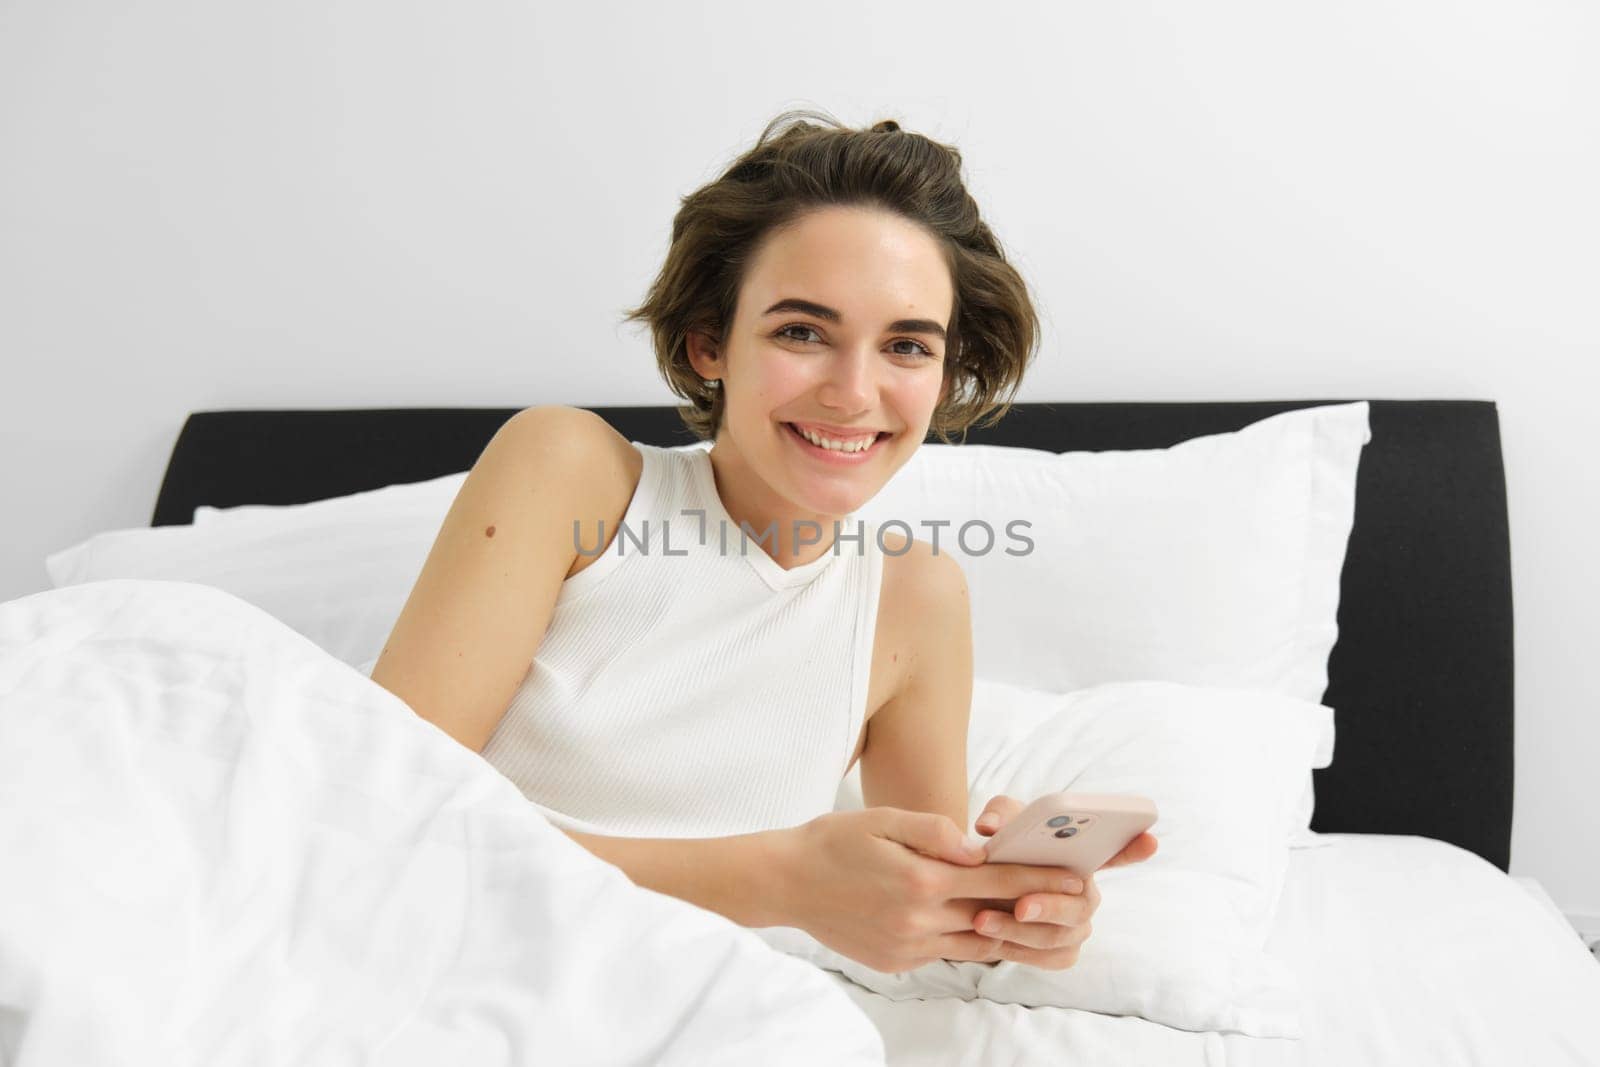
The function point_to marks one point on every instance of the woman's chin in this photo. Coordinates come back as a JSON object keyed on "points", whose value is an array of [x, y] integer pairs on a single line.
{"points": [[836, 506]]}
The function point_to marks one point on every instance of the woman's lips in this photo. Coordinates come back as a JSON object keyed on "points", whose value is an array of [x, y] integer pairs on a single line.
{"points": [[847, 458]]}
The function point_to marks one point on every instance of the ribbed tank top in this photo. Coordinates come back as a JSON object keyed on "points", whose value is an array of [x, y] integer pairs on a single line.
{"points": [[682, 690]]}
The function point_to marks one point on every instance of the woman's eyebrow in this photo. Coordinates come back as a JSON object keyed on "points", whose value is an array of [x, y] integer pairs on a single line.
{"points": [[806, 307]]}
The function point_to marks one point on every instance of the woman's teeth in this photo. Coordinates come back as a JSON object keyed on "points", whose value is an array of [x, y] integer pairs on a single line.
{"points": [[860, 444]]}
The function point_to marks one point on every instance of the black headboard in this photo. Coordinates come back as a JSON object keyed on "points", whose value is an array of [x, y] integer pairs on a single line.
{"points": [[1421, 676]]}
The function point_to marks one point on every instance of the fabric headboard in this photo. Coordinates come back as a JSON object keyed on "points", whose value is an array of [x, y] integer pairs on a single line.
{"points": [[1421, 676]]}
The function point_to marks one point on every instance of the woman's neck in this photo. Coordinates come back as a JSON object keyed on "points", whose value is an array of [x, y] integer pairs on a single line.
{"points": [[792, 537]]}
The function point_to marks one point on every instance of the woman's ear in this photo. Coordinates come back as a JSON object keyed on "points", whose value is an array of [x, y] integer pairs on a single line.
{"points": [[703, 355]]}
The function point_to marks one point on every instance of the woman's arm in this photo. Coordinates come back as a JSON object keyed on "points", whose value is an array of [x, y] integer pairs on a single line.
{"points": [[915, 755], [744, 877], [487, 591]]}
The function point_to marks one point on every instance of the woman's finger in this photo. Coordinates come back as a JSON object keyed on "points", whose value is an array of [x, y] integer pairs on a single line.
{"points": [[1138, 850], [1035, 935], [1000, 810], [975, 948], [1072, 928], [969, 947], [1048, 959]]}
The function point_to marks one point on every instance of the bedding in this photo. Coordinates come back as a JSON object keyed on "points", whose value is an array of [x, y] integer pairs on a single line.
{"points": [[223, 846], [1409, 952], [1178, 939], [339, 581]]}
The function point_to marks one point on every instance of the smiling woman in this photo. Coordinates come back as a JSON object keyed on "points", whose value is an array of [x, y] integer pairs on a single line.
{"points": [[687, 714]]}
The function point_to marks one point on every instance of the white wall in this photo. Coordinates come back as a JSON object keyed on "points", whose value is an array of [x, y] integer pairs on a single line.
{"points": [[314, 204]]}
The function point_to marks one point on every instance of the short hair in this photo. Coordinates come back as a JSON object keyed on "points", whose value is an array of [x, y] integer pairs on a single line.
{"points": [[797, 167]]}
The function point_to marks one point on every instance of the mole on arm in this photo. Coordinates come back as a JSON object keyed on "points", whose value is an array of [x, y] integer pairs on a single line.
{"points": [[489, 532]]}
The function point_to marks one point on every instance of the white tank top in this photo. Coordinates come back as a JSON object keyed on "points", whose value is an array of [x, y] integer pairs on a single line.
{"points": [[686, 691]]}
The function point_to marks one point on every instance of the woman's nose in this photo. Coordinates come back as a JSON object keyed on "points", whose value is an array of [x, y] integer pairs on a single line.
{"points": [[850, 382]]}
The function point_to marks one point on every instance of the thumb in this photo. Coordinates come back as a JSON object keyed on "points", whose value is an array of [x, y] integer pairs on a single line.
{"points": [[929, 833], [1000, 810]]}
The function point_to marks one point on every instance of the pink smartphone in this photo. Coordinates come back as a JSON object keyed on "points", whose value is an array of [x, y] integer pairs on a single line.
{"points": [[1078, 831]]}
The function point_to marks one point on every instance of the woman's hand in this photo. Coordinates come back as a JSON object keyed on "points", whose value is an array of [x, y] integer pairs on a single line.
{"points": [[1046, 929], [896, 889]]}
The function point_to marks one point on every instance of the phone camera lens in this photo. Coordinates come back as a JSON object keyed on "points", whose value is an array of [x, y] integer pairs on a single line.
{"points": [[1060, 820], [1066, 831]]}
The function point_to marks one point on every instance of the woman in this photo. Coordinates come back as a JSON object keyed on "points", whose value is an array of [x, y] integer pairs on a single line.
{"points": [[686, 710]]}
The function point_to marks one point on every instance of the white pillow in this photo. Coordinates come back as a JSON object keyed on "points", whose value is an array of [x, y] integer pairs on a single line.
{"points": [[336, 571], [1180, 938], [1213, 562]]}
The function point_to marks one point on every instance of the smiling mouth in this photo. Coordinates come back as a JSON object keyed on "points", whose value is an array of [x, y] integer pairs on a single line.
{"points": [[876, 441]]}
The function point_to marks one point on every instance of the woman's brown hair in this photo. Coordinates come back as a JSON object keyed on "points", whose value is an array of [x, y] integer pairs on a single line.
{"points": [[796, 167]]}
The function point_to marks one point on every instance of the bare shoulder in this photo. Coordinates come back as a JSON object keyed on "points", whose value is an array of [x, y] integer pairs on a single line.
{"points": [[568, 438], [917, 574], [599, 465]]}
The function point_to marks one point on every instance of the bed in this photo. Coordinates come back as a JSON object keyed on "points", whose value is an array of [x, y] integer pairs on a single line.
{"points": [[1411, 942]]}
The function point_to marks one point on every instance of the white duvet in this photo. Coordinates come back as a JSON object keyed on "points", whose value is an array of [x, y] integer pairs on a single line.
{"points": [[221, 845]]}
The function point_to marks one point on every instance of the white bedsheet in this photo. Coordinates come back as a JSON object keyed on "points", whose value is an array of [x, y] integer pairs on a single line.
{"points": [[221, 846], [1410, 952]]}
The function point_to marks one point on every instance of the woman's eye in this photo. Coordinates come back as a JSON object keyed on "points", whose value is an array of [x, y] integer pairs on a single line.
{"points": [[919, 350], [785, 332], [922, 350]]}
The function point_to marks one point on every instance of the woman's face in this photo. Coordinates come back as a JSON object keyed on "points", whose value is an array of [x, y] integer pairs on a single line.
{"points": [[839, 327]]}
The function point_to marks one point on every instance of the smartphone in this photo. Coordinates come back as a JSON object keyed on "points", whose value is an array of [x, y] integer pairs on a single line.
{"points": [[1077, 831]]}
